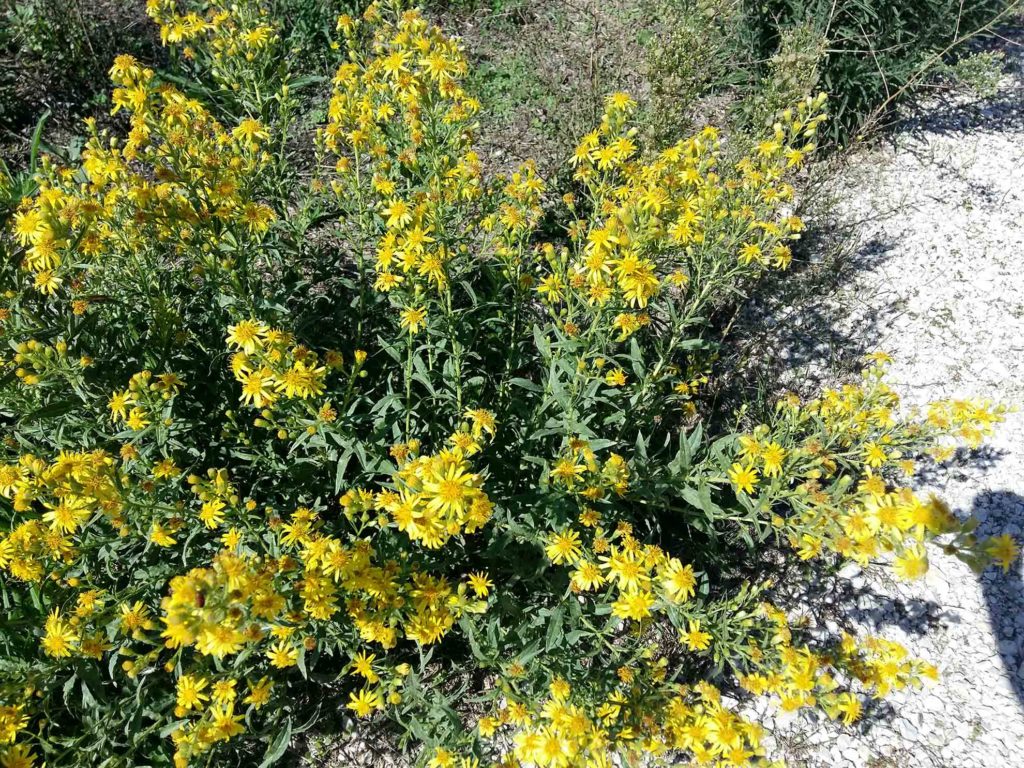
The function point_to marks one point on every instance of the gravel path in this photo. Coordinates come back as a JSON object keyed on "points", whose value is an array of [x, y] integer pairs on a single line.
{"points": [[938, 282]]}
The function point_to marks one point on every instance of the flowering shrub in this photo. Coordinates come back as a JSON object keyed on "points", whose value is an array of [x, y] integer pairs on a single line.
{"points": [[411, 432]]}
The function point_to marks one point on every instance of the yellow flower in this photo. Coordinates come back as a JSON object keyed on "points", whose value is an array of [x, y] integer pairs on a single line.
{"points": [[17, 756], [60, 639], [772, 455], [398, 213], [564, 547], [633, 605], [212, 513], [224, 691], [480, 584], [874, 455], [68, 515], [258, 388], [362, 665], [442, 759], [560, 689], [190, 692], [587, 576], [487, 726], [47, 282], [364, 702], [1003, 549], [620, 101], [283, 654], [12, 722], [250, 131], [912, 563], [744, 479], [247, 335], [259, 694], [160, 536], [694, 637], [119, 404], [413, 319], [135, 618], [750, 252], [678, 581], [850, 708], [615, 378], [226, 724], [137, 419]]}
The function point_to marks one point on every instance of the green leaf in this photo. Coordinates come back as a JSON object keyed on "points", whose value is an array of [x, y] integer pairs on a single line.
{"points": [[474, 646], [50, 410], [700, 498], [554, 636], [277, 747], [529, 652], [532, 386], [339, 474], [575, 636]]}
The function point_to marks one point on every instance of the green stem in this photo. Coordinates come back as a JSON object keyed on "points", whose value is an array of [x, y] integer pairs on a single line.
{"points": [[408, 383]]}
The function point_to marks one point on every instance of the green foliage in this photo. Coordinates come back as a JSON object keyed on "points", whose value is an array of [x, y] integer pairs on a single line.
{"points": [[792, 72], [55, 53], [700, 48], [876, 49], [761, 55], [981, 72]]}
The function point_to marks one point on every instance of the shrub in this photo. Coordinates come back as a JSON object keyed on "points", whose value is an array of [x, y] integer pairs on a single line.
{"points": [[387, 440], [704, 48], [877, 50], [865, 54]]}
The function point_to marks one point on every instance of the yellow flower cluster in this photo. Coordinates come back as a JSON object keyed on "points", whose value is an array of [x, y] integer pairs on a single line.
{"points": [[233, 41], [398, 122], [12, 722], [382, 601], [269, 365], [438, 496], [145, 397], [83, 631], [643, 717], [221, 608], [800, 677], [226, 27], [37, 362], [177, 180], [217, 496], [643, 577], [579, 472], [216, 707], [63, 497], [213, 604], [655, 223], [833, 459], [966, 420]]}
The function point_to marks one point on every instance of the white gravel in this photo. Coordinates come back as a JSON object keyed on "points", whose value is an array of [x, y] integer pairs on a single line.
{"points": [[938, 282]]}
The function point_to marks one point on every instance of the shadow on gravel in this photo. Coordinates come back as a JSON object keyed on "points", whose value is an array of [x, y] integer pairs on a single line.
{"points": [[1003, 512], [983, 458], [791, 333]]}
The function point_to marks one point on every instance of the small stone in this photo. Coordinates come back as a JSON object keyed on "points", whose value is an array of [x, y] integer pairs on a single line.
{"points": [[849, 570], [907, 731]]}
